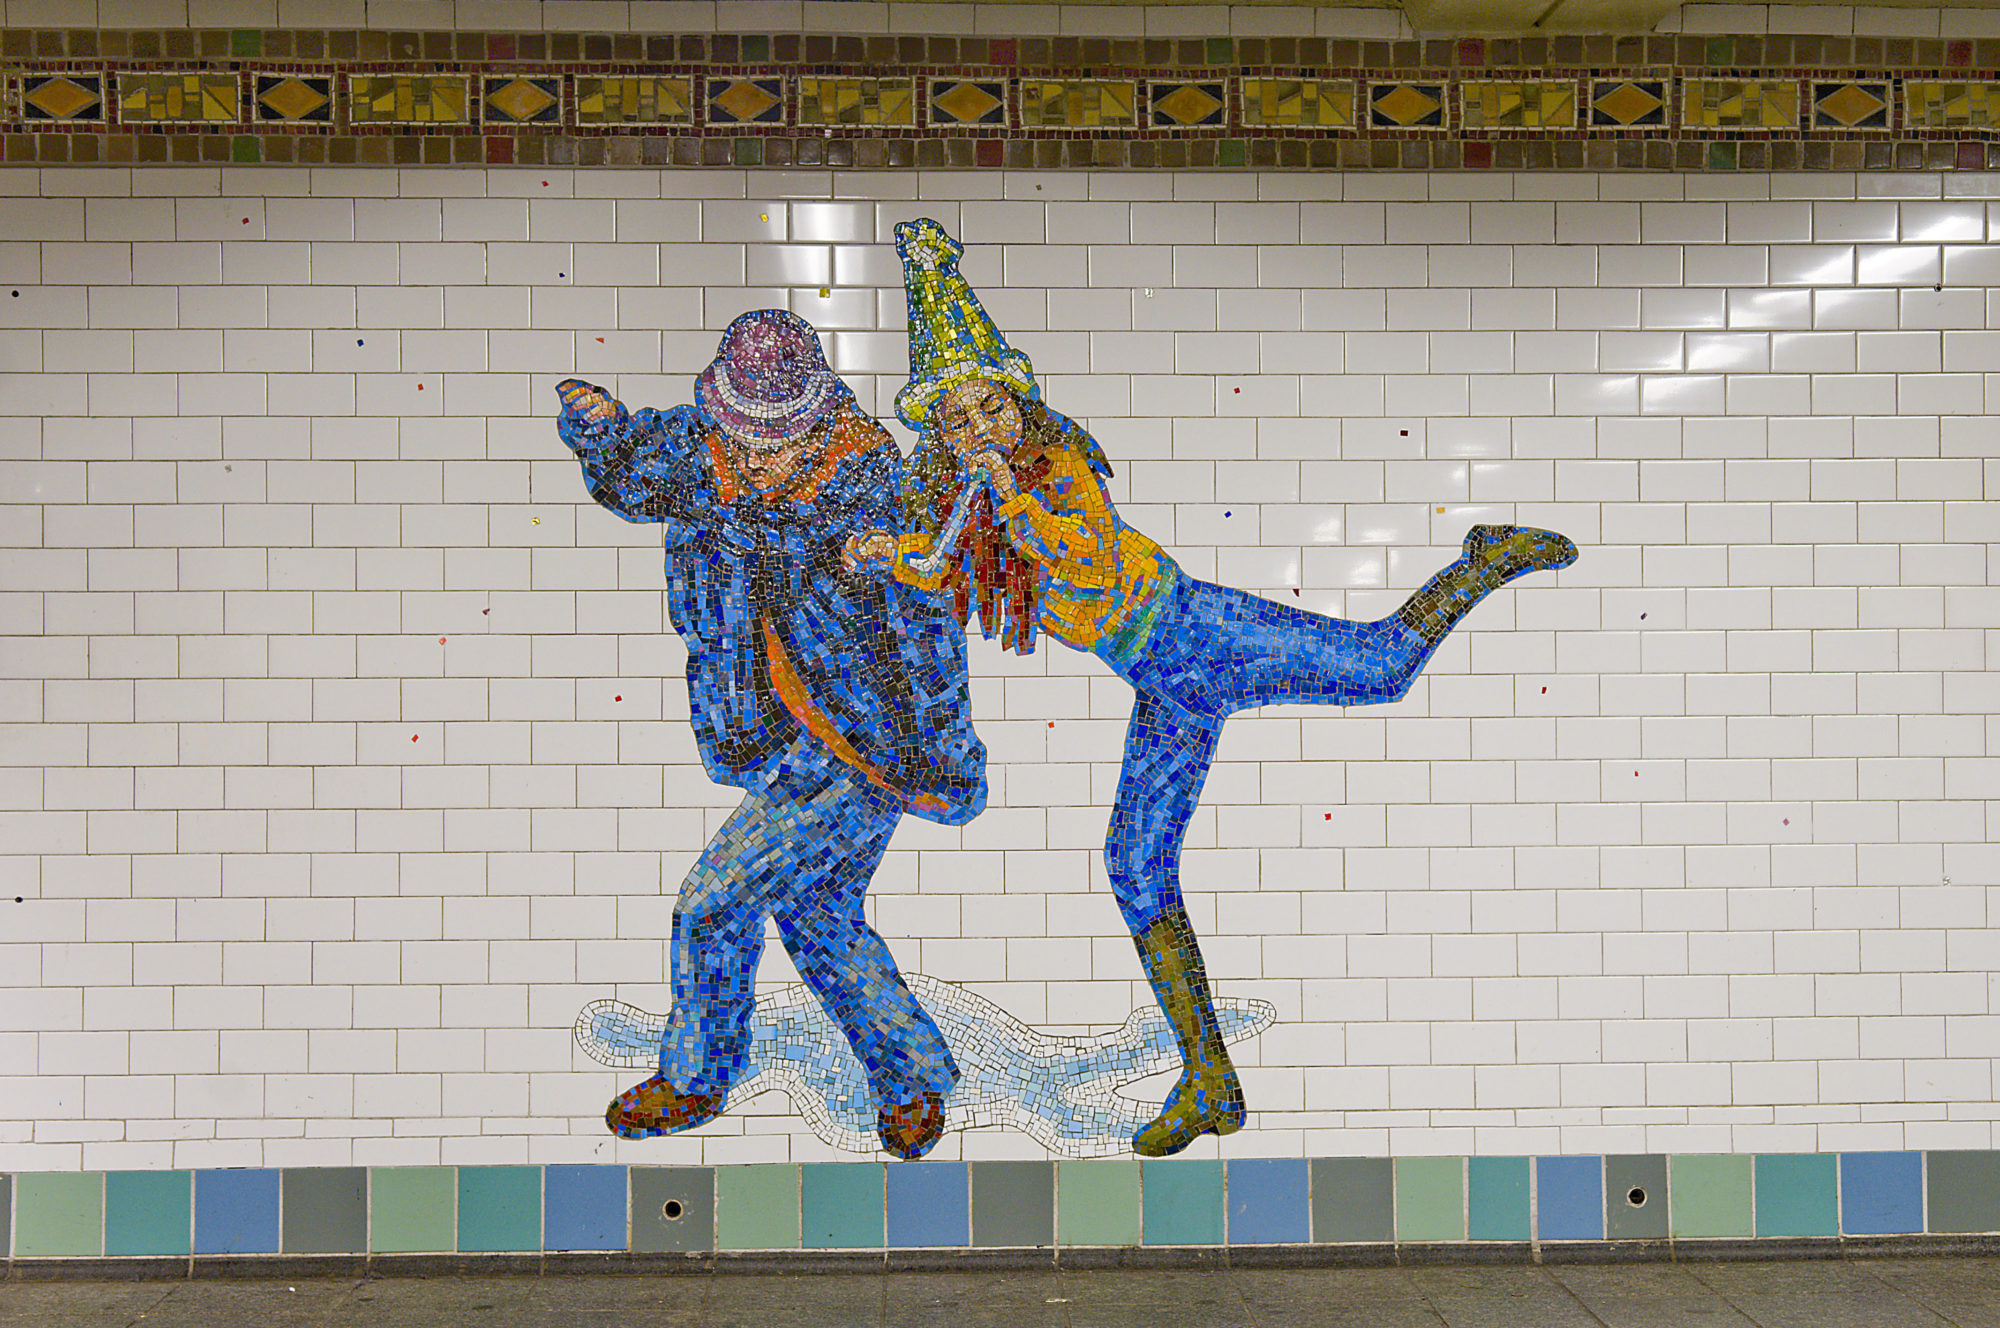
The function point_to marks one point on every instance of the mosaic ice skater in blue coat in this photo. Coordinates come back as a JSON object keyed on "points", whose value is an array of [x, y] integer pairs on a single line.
{"points": [[1047, 550], [835, 698]]}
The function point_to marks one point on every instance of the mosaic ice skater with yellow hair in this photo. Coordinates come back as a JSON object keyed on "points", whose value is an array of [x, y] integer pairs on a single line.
{"points": [[1012, 513]]}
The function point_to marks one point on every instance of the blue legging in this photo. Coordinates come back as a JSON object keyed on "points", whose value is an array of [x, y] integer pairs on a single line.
{"points": [[1211, 652], [801, 851]]}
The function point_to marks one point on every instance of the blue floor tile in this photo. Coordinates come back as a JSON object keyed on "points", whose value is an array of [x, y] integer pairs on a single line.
{"points": [[1569, 1198], [584, 1207], [1269, 1201], [236, 1212], [929, 1205]]}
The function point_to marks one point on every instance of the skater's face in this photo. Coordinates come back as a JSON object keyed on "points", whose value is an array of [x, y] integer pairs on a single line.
{"points": [[979, 416], [767, 466]]}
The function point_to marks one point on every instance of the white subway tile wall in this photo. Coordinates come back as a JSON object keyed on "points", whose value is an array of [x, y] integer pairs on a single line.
{"points": [[344, 754]]}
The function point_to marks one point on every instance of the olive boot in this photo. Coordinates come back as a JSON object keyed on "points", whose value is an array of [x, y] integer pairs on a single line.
{"points": [[1208, 1099]]}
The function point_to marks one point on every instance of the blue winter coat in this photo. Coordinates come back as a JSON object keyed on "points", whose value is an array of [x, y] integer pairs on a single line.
{"points": [[781, 637]]}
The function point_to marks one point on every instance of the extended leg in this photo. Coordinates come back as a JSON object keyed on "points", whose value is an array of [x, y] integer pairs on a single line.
{"points": [[1167, 755], [1229, 650]]}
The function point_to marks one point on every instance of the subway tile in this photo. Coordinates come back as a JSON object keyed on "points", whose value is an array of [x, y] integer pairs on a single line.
{"points": [[757, 1207], [325, 1210], [927, 1205], [1881, 1194], [237, 1212], [1430, 1199], [1635, 1197], [58, 1214], [412, 1210], [1711, 1195], [1497, 1199], [499, 1209], [584, 1207], [1797, 1195], [1183, 1202], [844, 1205], [1964, 1191], [1099, 1202], [1268, 1201], [673, 1209]]}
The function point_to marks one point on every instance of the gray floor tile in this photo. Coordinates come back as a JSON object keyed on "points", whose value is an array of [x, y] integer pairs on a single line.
{"points": [[1500, 1298], [1647, 1296]]}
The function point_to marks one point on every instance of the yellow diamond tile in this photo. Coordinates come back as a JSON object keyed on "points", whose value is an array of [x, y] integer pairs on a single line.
{"points": [[745, 100], [966, 102], [61, 98], [1628, 103], [520, 99], [1188, 104], [1406, 105], [1851, 105], [294, 98]]}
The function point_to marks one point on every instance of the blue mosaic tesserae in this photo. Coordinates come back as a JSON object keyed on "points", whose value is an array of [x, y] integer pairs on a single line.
{"points": [[832, 693]]}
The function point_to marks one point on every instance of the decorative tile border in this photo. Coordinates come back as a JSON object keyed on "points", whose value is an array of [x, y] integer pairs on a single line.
{"points": [[959, 1205], [339, 97]]}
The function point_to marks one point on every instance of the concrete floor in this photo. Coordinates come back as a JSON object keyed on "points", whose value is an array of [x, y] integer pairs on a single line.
{"points": [[1884, 1293]]}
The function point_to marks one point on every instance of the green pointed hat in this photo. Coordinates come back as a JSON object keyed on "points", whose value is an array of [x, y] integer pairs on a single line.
{"points": [[951, 336]]}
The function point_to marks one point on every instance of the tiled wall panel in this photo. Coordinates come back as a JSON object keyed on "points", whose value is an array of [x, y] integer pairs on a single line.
{"points": [[345, 755]]}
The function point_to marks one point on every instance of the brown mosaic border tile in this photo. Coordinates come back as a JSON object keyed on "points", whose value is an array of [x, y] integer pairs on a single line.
{"points": [[366, 97]]}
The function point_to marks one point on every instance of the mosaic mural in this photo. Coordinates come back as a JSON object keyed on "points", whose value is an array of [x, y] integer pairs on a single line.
{"points": [[822, 587], [409, 98]]}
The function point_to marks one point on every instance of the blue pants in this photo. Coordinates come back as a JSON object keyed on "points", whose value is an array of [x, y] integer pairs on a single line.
{"points": [[801, 850], [1211, 652]]}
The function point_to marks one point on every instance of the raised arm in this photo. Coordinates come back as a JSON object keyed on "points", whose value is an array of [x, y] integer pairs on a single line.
{"points": [[644, 467]]}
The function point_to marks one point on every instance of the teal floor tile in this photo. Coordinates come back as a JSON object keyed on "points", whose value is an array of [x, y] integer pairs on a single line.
{"points": [[1182, 1202], [1496, 1198], [499, 1209], [58, 1214], [844, 1205], [148, 1212], [1797, 1195]]}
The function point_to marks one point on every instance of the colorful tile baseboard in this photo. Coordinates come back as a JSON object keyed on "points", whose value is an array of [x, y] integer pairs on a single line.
{"points": [[345, 97], [946, 1206]]}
